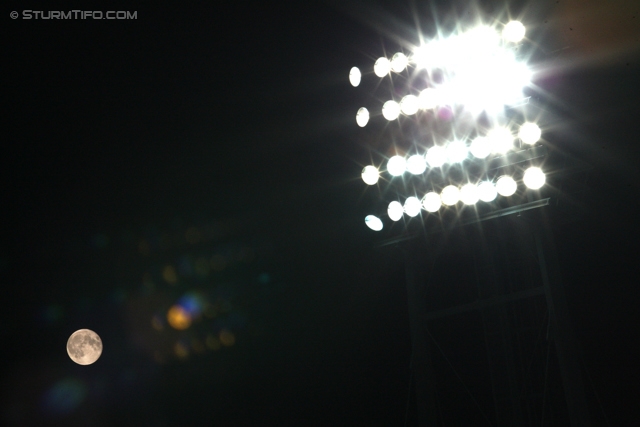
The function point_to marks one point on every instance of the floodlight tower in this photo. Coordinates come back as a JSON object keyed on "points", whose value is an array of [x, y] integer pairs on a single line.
{"points": [[465, 151]]}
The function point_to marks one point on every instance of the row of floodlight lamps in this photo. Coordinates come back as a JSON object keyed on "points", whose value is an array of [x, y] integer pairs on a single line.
{"points": [[497, 141], [512, 32], [468, 194]]}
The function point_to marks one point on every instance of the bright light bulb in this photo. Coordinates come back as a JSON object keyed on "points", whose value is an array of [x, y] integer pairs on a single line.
{"points": [[431, 202], [487, 191], [382, 67], [396, 165], [469, 194], [501, 140], [506, 186], [373, 222], [456, 151], [534, 178], [391, 110], [355, 76], [409, 105], [450, 195], [412, 206], [416, 164], [480, 147], [530, 133], [428, 98], [399, 62], [362, 117], [436, 156], [370, 175], [513, 31], [395, 211]]}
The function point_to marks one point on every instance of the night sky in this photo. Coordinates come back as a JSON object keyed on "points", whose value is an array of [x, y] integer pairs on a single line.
{"points": [[208, 156]]}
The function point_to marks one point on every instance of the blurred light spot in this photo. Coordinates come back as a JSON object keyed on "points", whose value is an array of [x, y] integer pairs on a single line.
{"points": [[202, 267], [264, 278], [212, 342], [192, 303], [227, 338], [193, 235], [218, 262], [197, 346], [143, 248], [181, 350], [156, 322], [169, 275], [64, 396], [178, 318]]}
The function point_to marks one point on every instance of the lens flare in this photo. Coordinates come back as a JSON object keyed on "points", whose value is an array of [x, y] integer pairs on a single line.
{"points": [[396, 165], [382, 67], [395, 211], [355, 76], [362, 117], [412, 206], [506, 186], [534, 178], [431, 202], [450, 195], [370, 175]]}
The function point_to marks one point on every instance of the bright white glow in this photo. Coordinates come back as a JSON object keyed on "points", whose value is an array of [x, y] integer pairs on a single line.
{"points": [[412, 206], [399, 62], [416, 164], [513, 31], [469, 194], [501, 140], [534, 178], [431, 202], [409, 105], [355, 76], [396, 165], [530, 133], [362, 117], [457, 151], [428, 98], [480, 147], [450, 195], [373, 222], [436, 156], [391, 110], [487, 191], [395, 211], [506, 186], [370, 175], [382, 67]]}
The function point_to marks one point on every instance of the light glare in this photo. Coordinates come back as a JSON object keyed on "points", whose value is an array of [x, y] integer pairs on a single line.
{"points": [[450, 195], [416, 164], [501, 140], [431, 202], [409, 105], [396, 165], [456, 151], [412, 206], [480, 147], [436, 156], [534, 178], [362, 117], [530, 133], [469, 194], [391, 110], [395, 211], [382, 67], [506, 186], [399, 62], [428, 98], [370, 175], [373, 222], [487, 191], [514, 31], [355, 76]]}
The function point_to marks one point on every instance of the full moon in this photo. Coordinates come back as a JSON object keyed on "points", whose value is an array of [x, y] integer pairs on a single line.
{"points": [[84, 347]]}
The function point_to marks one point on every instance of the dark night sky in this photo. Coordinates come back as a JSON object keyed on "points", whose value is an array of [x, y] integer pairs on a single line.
{"points": [[196, 132]]}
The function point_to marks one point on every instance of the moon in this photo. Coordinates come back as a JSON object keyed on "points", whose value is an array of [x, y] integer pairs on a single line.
{"points": [[84, 347]]}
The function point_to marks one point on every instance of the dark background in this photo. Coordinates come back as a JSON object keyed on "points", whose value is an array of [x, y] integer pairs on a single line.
{"points": [[226, 132]]}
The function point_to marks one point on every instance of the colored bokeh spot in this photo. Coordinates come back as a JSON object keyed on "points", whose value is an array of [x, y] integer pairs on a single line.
{"points": [[64, 396], [169, 275], [227, 338], [212, 343], [178, 318], [181, 350]]}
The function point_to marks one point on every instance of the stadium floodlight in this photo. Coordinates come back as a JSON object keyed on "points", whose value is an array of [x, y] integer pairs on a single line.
{"points": [[395, 211], [529, 133], [436, 156], [431, 202], [370, 175], [469, 194], [534, 178], [428, 98], [355, 76], [487, 191], [399, 62], [373, 222], [457, 151], [382, 67], [514, 31], [416, 164], [362, 117], [501, 140], [506, 186], [396, 165], [480, 147], [391, 110], [409, 105], [412, 206], [450, 195]]}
